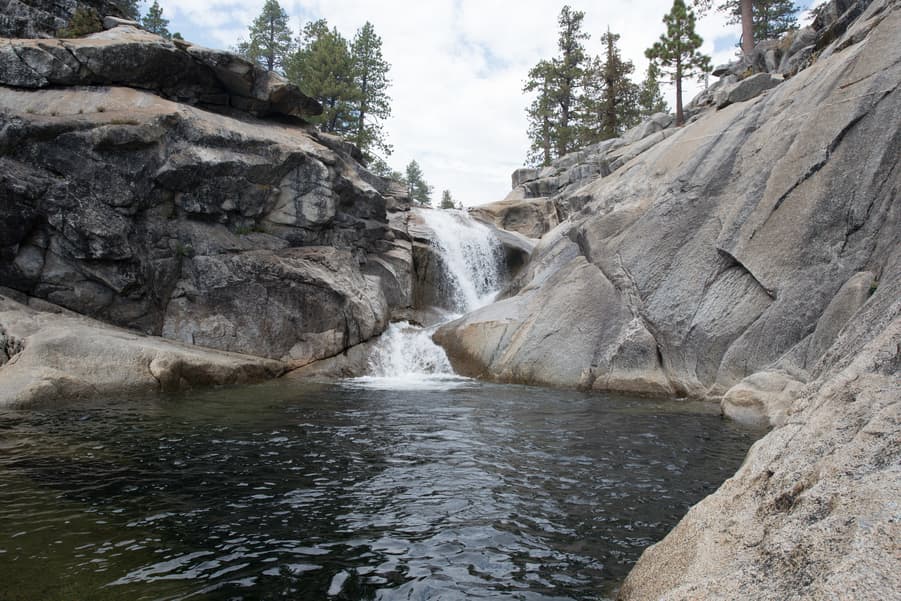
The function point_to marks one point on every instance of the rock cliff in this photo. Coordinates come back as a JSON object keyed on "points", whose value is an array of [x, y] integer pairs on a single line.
{"points": [[176, 191], [735, 247]]}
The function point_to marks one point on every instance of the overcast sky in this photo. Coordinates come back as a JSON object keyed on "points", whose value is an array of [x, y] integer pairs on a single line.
{"points": [[457, 69]]}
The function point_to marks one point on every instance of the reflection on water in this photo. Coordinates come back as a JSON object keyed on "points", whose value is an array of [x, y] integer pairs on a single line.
{"points": [[278, 492]]}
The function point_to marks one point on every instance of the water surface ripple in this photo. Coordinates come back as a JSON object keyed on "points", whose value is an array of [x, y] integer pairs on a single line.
{"points": [[279, 492]]}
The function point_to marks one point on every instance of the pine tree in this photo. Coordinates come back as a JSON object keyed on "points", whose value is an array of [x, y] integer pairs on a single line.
{"points": [[154, 22], [650, 100], [541, 113], [567, 75], [745, 17], [129, 8], [677, 51], [554, 120], [611, 98], [270, 41], [770, 19], [323, 69], [447, 201], [417, 187], [370, 77]]}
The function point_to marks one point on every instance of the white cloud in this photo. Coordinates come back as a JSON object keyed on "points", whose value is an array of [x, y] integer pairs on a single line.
{"points": [[457, 69]]}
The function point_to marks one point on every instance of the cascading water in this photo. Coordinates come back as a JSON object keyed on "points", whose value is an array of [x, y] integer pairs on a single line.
{"points": [[472, 257], [472, 260]]}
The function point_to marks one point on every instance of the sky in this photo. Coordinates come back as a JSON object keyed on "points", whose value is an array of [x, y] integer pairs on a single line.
{"points": [[458, 67]]}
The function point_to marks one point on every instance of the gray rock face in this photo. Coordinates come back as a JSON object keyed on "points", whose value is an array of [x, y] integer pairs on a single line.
{"points": [[724, 244], [49, 354], [42, 18], [127, 56], [531, 217], [226, 231], [748, 88], [813, 511]]}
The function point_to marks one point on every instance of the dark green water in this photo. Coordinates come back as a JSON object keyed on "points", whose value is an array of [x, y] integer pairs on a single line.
{"points": [[280, 492]]}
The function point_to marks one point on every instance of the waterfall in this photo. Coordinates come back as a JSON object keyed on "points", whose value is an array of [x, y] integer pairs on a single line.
{"points": [[472, 257], [472, 260]]}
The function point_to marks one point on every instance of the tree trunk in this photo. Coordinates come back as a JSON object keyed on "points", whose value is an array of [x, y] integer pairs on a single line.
{"points": [[680, 117], [747, 28]]}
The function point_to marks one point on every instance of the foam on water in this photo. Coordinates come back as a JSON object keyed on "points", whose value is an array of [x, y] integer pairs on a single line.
{"points": [[472, 258], [407, 359]]}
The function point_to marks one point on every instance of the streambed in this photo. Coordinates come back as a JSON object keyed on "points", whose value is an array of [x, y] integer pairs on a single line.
{"points": [[463, 491]]}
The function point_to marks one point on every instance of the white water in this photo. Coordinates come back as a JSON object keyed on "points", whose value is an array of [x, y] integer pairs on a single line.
{"points": [[405, 357], [472, 255]]}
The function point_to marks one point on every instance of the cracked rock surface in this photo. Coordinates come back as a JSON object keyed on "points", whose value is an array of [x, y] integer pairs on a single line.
{"points": [[716, 252], [173, 190], [49, 354]]}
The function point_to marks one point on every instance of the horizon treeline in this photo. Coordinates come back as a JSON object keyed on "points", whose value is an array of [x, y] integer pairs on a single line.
{"points": [[581, 99]]}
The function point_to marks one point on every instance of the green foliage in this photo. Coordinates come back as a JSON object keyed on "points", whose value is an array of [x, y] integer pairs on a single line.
{"points": [[154, 22], [85, 21], [554, 127], [370, 77], [650, 100], [568, 72], [129, 8], [611, 98], [417, 187], [447, 201], [542, 114], [378, 166], [676, 53], [177, 36], [770, 19], [323, 68], [270, 42]]}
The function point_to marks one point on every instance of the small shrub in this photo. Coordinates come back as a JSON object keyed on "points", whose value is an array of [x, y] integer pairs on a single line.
{"points": [[85, 21], [184, 250]]}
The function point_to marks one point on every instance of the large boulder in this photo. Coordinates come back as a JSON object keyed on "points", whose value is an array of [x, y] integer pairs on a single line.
{"points": [[48, 354], [233, 232], [128, 56], [531, 217]]}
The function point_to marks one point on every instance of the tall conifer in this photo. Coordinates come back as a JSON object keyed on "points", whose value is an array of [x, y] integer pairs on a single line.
{"points": [[650, 99], [323, 69], [154, 22], [417, 187], [370, 77], [611, 98], [554, 115], [676, 53], [270, 41]]}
